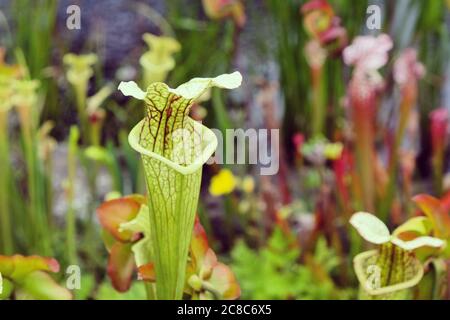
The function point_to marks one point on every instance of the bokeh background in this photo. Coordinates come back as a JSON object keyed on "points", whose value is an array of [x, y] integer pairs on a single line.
{"points": [[285, 236]]}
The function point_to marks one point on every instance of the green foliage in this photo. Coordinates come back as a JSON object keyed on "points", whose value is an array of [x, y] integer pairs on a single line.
{"points": [[107, 292], [326, 257], [274, 272], [34, 24], [87, 285], [290, 42]]}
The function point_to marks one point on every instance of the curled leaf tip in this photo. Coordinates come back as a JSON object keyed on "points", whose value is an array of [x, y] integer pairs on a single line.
{"points": [[131, 89], [197, 86], [229, 81], [53, 265], [418, 243]]}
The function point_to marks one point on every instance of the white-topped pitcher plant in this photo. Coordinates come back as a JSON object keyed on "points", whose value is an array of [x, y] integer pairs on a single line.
{"points": [[393, 269], [173, 148]]}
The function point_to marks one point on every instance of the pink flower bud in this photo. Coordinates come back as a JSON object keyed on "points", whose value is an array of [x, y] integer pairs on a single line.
{"points": [[439, 128]]}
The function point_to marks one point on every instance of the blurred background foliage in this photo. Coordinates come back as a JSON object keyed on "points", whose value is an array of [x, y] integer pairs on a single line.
{"points": [[285, 236]]}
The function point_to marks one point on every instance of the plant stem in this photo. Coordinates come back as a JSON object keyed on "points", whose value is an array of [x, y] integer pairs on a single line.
{"points": [[81, 99], [405, 108], [7, 246], [365, 154], [70, 220], [36, 190], [49, 190], [437, 161], [318, 105]]}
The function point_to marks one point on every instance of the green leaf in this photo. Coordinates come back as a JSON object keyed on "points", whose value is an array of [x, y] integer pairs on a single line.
{"points": [[87, 286], [419, 226], [370, 227], [273, 272], [17, 267], [39, 285], [7, 288], [108, 239], [107, 292], [141, 224], [121, 266]]}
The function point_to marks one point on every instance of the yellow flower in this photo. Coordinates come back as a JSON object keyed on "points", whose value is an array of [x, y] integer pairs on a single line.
{"points": [[333, 151], [158, 60], [222, 183]]}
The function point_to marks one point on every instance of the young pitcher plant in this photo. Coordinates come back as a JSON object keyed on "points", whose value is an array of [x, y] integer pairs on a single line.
{"points": [[394, 268], [173, 148]]}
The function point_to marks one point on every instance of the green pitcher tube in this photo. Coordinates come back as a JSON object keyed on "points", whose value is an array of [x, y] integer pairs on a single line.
{"points": [[173, 149], [369, 290]]}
